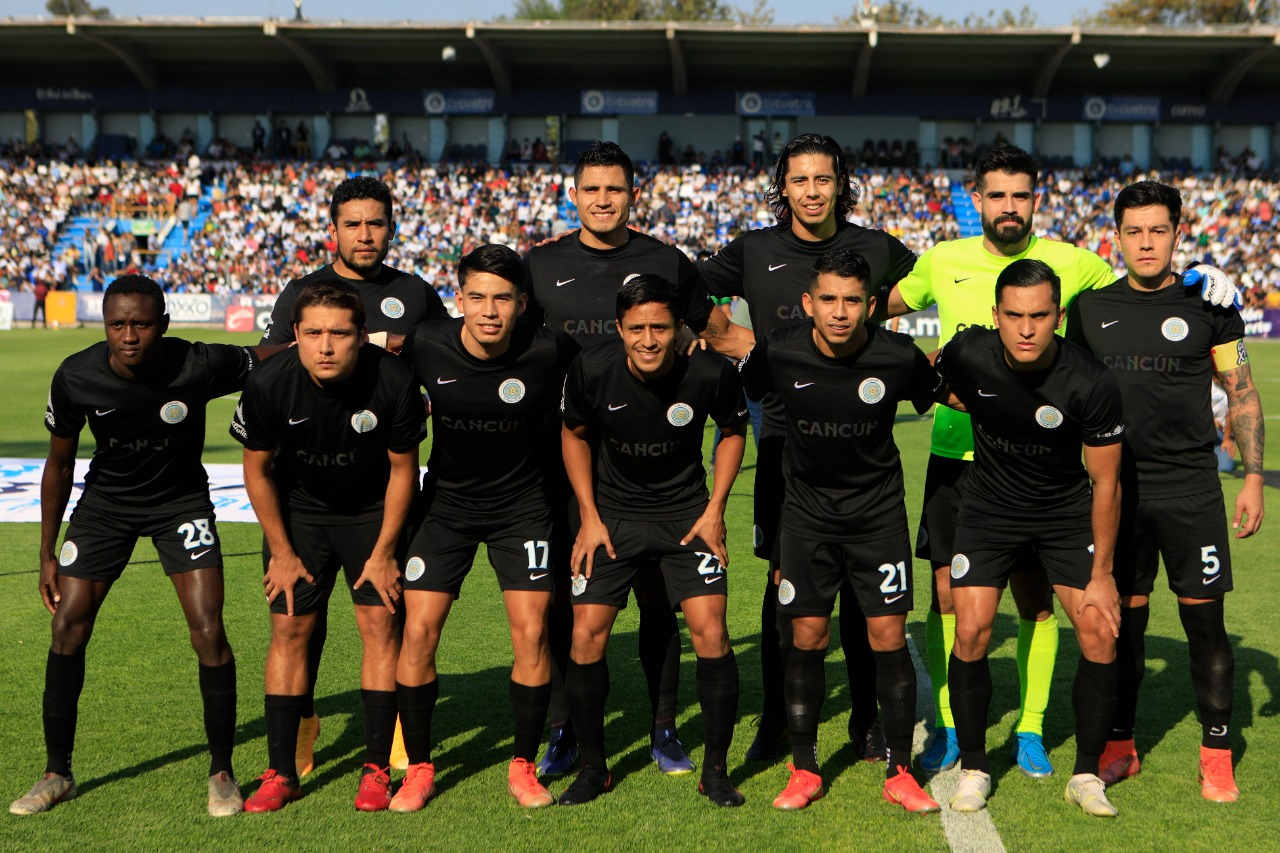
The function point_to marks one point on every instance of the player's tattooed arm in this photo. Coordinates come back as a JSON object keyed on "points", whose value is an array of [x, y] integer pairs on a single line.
{"points": [[1249, 432], [55, 493], [727, 337], [593, 534]]}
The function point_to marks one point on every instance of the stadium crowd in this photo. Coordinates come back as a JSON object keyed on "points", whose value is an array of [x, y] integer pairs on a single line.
{"points": [[252, 226]]}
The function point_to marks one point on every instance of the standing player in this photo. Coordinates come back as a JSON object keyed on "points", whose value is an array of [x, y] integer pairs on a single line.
{"points": [[633, 419], [812, 197], [572, 286], [1165, 346], [330, 435], [959, 277], [362, 224], [144, 398], [1034, 400], [844, 523], [494, 379]]}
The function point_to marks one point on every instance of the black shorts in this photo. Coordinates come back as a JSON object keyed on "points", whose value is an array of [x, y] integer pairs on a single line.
{"points": [[324, 549], [944, 485], [100, 540], [441, 553], [769, 492], [990, 545], [687, 570], [813, 572], [1189, 532]]}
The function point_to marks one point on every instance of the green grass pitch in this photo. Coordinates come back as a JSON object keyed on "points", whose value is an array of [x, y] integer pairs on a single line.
{"points": [[141, 763]]}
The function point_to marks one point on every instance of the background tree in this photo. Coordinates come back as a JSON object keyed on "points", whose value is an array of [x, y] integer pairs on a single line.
{"points": [[642, 10], [1183, 13], [78, 8]]}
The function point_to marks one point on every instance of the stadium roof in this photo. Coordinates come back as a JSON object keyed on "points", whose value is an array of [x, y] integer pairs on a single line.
{"points": [[1215, 64]]}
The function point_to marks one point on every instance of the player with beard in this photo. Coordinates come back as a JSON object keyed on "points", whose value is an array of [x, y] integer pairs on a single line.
{"points": [[362, 224], [572, 286], [959, 277], [1165, 347], [812, 197], [143, 396]]}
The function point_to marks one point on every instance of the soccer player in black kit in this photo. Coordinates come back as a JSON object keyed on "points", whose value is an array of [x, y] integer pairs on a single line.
{"points": [[494, 379], [812, 197], [331, 437], [571, 285], [362, 224], [1164, 346], [632, 443], [1034, 401], [843, 522], [143, 396]]}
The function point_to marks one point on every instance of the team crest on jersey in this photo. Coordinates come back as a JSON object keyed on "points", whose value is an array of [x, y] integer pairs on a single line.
{"points": [[681, 414], [174, 412], [511, 391], [871, 390], [1048, 417], [579, 584], [364, 421], [414, 568], [922, 537], [68, 554], [959, 566], [1175, 328], [786, 592], [393, 308]]}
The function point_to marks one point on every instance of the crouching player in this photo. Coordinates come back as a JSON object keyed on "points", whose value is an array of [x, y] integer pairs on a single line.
{"points": [[632, 443], [1034, 399], [494, 379], [843, 516], [330, 437]]}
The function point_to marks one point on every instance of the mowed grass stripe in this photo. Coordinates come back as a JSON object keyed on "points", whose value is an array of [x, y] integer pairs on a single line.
{"points": [[141, 764]]}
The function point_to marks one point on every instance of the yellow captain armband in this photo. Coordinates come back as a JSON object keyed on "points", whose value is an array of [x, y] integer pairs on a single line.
{"points": [[1230, 356]]}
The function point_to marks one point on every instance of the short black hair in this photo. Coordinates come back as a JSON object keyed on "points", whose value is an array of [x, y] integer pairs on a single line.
{"points": [[1149, 194], [600, 153], [495, 259], [1028, 272], [330, 294], [812, 143], [845, 263], [644, 288], [136, 285], [1010, 159], [358, 188]]}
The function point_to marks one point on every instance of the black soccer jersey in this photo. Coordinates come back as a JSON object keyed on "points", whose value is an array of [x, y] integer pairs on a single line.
{"points": [[770, 269], [490, 418], [1159, 343], [331, 442], [1028, 428], [149, 434], [394, 302], [647, 436], [841, 466], [573, 288]]}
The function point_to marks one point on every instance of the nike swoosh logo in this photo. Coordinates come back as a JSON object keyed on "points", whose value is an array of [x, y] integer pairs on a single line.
{"points": [[538, 577], [773, 267], [712, 580], [292, 422], [1112, 323], [895, 598], [962, 279], [802, 385], [200, 554], [563, 283], [100, 413], [614, 408], [1208, 581], [985, 394], [440, 381]]}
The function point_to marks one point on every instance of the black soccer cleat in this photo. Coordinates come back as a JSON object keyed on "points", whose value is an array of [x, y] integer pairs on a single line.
{"points": [[716, 787], [769, 743], [591, 783]]}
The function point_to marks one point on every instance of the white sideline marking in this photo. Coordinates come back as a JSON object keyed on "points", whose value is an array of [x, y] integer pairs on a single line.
{"points": [[966, 833]]}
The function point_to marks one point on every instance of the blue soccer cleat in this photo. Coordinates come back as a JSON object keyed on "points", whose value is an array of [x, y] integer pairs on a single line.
{"points": [[942, 753], [669, 753], [1033, 761], [562, 752]]}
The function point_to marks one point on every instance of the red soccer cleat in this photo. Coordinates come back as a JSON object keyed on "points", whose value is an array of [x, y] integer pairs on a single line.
{"points": [[904, 790], [273, 794], [374, 793], [803, 789]]}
